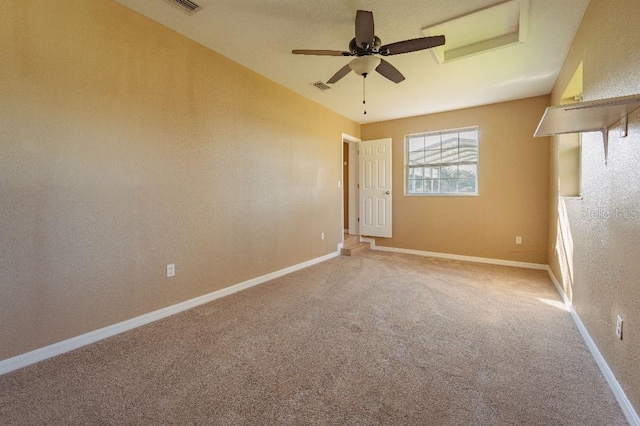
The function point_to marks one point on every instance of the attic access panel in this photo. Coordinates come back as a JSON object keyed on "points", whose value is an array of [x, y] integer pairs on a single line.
{"points": [[484, 30]]}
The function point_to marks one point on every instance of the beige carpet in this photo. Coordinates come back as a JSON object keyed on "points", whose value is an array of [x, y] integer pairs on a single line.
{"points": [[376, 338]]}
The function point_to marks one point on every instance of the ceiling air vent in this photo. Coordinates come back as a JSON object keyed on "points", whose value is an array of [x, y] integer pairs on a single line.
{"points": [[186, 5], [320, 85]]}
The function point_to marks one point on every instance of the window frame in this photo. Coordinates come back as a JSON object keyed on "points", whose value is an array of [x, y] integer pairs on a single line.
{"points": [[441, 132]]}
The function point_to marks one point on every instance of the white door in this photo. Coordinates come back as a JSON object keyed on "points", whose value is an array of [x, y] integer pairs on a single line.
{"points": [[375, 188]]}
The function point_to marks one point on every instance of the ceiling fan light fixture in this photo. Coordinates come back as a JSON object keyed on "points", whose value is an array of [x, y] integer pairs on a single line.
{"points": [[364, 64]]}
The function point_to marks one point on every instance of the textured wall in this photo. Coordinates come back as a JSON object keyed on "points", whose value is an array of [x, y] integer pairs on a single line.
{"points": [[595, 251], [513, 185], [125, 147]]}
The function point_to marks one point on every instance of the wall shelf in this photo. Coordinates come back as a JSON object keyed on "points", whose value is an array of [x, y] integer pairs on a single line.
{"points": [[591, 116]]}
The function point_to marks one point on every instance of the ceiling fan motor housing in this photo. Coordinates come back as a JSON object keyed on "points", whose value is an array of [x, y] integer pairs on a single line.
{"points": [[370, 50]]}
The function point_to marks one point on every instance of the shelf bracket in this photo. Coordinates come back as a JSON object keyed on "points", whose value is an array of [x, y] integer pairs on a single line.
{"points": [[624, 131], [605, 143], [624, 126]]}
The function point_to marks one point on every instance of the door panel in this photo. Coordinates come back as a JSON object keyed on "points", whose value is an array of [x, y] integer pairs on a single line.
{"points": [[375, 188]]}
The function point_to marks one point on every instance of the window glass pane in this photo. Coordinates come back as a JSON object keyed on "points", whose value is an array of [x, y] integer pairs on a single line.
{"points": [[468, 154], [450, 141], [432, 172], [416, 143], [468, 170], [449, 172], [469, 138], [416, 173], [433, 157], [466, 185], [416, 157], [448, 186], [414, 185], [450, 154], [432, 142], [431, 186]]}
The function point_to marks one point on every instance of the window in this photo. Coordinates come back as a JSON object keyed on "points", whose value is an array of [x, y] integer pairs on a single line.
{"points": [[442, 163]]}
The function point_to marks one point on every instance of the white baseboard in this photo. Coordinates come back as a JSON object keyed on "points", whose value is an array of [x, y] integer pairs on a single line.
{"points": [[20, 361], [473, 259], [625, 404]]}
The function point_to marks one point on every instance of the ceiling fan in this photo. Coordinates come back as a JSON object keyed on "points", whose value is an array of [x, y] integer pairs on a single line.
{"points": [[365, 45]]}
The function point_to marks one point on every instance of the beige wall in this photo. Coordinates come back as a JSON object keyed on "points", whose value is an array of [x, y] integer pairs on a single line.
{"points": [[513, 186], [124, 147], [596, 253]]}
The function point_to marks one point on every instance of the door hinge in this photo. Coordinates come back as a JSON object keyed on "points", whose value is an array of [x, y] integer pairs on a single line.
{"points": [[358, 219]]}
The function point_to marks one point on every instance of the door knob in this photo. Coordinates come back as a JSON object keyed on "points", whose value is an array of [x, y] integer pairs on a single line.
{"points": [[388, 192]]}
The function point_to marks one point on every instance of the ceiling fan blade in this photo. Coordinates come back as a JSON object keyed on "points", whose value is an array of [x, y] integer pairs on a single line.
{"points": [[364, 29], [412, 45], [320, 52], [389, 71], [337, 76]]}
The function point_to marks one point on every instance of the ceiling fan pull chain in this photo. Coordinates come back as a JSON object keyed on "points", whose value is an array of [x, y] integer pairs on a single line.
{"points": [[364, 101]]}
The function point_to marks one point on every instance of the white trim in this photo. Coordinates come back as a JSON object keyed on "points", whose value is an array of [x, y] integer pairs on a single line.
{"points": [[625, 404], [473, 259], [59, 348], [559, 288], [351, 184], [348, 138]]}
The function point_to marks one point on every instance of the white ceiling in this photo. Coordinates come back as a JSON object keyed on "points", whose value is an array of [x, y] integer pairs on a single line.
{"points": [[260, 35]]}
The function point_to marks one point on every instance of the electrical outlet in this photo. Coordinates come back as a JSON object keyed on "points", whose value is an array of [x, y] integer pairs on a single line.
{"points": [[619, 327], [171, 270], [518, 240], [322, 236]]}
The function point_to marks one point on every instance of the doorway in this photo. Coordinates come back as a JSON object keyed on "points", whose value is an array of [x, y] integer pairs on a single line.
{"points": [[350, 184]]}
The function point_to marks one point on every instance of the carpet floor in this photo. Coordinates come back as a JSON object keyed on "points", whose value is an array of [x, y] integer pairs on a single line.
{"points": [[376, 338]]}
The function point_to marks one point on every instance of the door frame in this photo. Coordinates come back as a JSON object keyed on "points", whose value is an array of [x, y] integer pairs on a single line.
{"points": [[354, 204]]}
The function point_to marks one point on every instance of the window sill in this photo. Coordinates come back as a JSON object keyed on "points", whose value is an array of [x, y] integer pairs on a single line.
{"points": [[570, 197]]}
